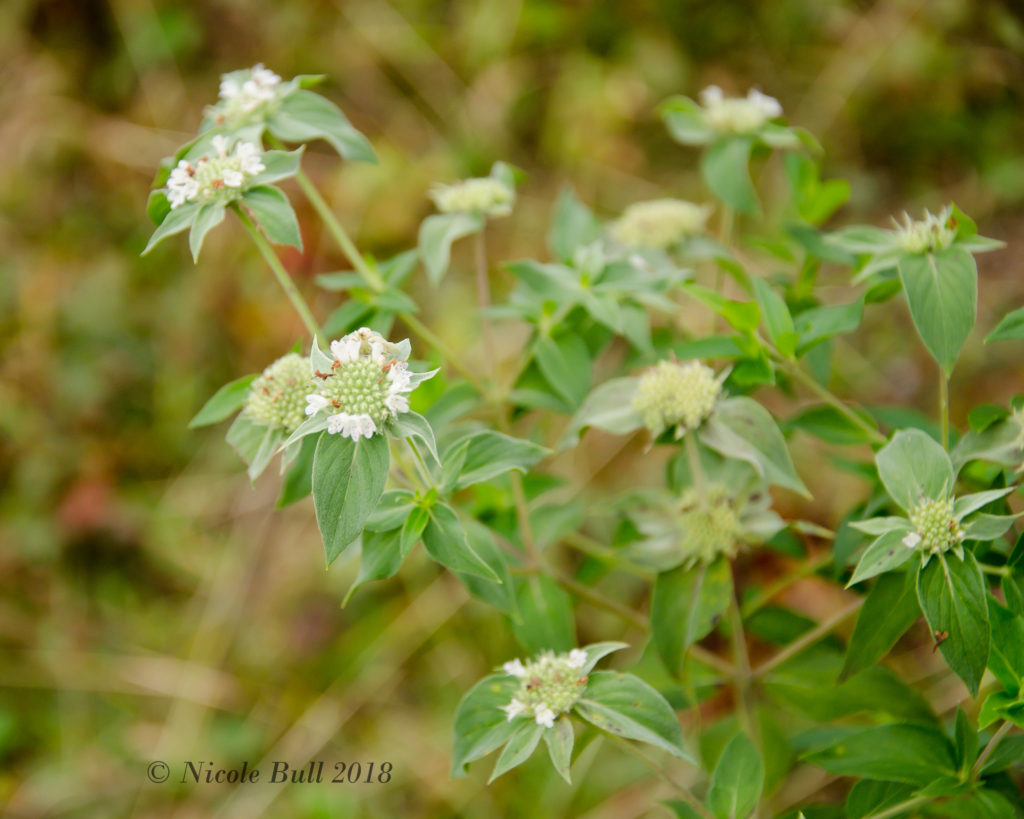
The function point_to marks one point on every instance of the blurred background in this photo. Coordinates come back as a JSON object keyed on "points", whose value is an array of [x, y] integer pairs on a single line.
{"points": [[155, 606]]}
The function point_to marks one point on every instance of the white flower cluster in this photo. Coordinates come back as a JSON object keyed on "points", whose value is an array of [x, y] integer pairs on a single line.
{"points": [[221, 177], [935, 528], [549, 685], [366, 385], [278, 397], [673, 394], [660, 223], [928, 235], [245, 92], [484, 195], [738, 115]]}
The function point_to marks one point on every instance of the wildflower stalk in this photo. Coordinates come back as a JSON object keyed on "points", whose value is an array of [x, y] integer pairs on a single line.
{"points": [[408, 469], [742, 676], [678, 787], [944, 407], [283, 278], [376, 283], [421, 464], [809, 638], [901, 808], [997, 737], [483, 295]]}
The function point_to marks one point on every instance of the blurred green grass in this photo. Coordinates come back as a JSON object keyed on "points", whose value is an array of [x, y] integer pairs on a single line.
{"points": [[153, 606]]}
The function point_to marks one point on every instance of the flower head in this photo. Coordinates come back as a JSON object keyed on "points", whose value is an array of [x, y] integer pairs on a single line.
{"points": [[367, 384], [738, 115], [246, 95], [708, 528], [277, 398], [221, 177], [549, 685], [927, 235], [936, 528], [484, 195], [677, 395], [660, 223]]}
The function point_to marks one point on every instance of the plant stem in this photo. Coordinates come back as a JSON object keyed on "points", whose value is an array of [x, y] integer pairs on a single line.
{"points": [[696, 468], [597, 599], [828, 397], [809, 638], [997, 737], [768, 592], [283, 278], [742, 677], [590, 547], [375, 282], [422, 464], [679, 787], [1000, 571], [944, 407], [483, 294], [410, 472], [902, 807]]}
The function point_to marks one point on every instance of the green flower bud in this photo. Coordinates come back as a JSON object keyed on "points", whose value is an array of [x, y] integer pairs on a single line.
{"points": [[936, 530], [708, 528], [929, 235], [277, 398], [484, 195]]}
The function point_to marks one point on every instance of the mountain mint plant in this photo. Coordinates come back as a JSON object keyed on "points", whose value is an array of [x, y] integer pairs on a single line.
{"points": [[900, 695]]}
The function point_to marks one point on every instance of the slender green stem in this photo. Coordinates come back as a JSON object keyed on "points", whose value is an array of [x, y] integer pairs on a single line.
{"points": [[742, 676], [408, 470], [999, 571], [483, 295], [590, 547], [421, 463], [283, 278], [997, 737], [696, 469], [805, 569], [944, 407], [809, 638], [901, 808], [828, 397], [679, 787], [376, 283]]}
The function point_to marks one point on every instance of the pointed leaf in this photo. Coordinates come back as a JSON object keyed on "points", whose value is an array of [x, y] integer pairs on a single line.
{"points": [[559, 740], [913, 466], [445, 541], [437, 233], [305, 115], [480, 724], [519, 747], [274, 213], [738, 779], [686, 605], [228, 400], [889, 610]]}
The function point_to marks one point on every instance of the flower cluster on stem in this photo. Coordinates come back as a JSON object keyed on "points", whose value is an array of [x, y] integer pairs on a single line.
{"points": [[221, 177], [277, 398], [549, 685], [738, 115], [674, 394]]}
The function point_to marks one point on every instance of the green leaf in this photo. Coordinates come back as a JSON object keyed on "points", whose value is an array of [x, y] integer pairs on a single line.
{"points": [[485, 455], [686, 605], [298, 481], [225, 402], [573, 226], [913, 466], [348, 479], [942, 291], [278, 165], [255, 444], [819, 324], [499, 593], [830, 425], [1006, 659], [445, 541], [608, 407], [209, 216], [953, 593], [966, 741], [869, 797], [887, 553], [546, 619], [414, 425], [625, 706], [175, 222], [1011, 328], [742, 428], [988, 527], [273, 211], [890, 608], [480, 724], [776, 315], [725, 167], [912, 754], [380, 557], [737, 781], [437, 233], [519, 747], [304, 116], [565, 364], [559, 740]]}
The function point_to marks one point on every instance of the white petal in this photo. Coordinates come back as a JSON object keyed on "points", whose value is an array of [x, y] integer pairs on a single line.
{"points": [[315, 403], [577, 658], [712, 95], [344, 350], [221, 144], [513, 709], [233, 179], [339, 423], [911, 540], [396, 403], [515, 668], [544, 716]]}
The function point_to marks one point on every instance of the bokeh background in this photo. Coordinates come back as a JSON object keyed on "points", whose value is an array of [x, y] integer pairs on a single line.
{"points": [[155, 606]]}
